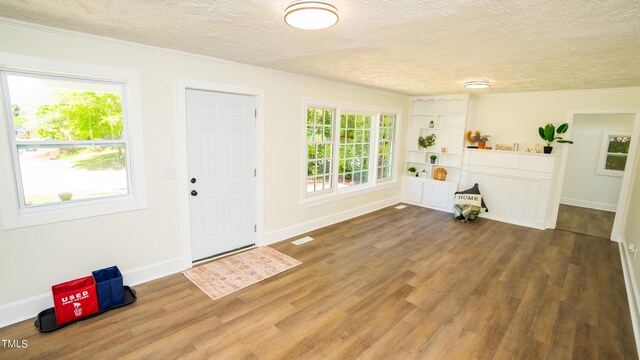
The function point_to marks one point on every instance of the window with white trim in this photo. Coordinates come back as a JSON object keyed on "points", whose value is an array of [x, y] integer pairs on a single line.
{"points": [[56, 167], [340, 153], [613, 154], [69, 140]]}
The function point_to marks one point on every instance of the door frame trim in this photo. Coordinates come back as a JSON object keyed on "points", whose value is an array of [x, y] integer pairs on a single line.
{"points": [[181, 86]]}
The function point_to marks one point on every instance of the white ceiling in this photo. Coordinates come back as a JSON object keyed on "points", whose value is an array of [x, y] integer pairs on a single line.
{"points": [[406, 46]]}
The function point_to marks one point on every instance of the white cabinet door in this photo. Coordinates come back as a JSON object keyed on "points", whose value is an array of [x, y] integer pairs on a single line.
{"points": [[439, 195], [413, 189]]}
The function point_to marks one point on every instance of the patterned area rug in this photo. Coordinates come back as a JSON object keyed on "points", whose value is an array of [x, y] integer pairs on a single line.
{"points": [[225, 276]]}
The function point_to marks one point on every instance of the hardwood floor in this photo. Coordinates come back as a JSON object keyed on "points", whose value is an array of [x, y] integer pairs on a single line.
{"points": [[393, 284], [586, 221]]}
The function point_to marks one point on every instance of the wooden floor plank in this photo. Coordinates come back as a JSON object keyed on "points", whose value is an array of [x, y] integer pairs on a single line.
{"points": [[391, 284], [597, 223]]}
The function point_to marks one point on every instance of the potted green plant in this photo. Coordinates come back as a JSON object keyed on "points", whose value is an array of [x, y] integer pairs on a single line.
{"points": [[433, 158], [412, 171], [548, 134], [481, 139], [427, 141]]}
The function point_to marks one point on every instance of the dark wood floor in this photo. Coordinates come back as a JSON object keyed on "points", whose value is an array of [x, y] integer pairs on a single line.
{"points": [[586, 221], [393, 284]]}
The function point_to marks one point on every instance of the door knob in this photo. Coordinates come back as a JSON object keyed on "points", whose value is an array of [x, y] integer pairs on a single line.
{"points": [[193, 180], [194, 193]]}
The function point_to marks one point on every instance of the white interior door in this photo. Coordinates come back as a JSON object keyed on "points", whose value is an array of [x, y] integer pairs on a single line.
{"points": [[221, 164]]}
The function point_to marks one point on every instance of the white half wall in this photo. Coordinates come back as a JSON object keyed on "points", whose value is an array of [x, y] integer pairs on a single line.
{"points": [[34, 258], [515, 186], [582, 185]]}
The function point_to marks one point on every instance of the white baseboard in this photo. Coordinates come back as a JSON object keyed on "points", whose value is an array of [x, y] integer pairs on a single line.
{"points": [[154, 271], [632, 291], [30, 307], [488, 215], [291, 231], [589, 204], [24, 309]]}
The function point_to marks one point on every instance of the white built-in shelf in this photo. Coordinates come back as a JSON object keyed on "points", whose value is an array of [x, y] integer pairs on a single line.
{"points": [[436, 164], [444, 116], [429, 179], [512, 152], [436, 152], [433, 114]]}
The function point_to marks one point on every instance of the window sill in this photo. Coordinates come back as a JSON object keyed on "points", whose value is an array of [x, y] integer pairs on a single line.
{"points": [[52, 214], [345, 194], [614, 173]]}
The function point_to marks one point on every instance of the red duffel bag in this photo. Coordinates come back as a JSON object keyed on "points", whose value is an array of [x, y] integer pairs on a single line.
{"points": [[75, 299]]}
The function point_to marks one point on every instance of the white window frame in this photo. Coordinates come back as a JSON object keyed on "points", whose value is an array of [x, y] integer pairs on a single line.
{"points": [[602, 159], [335, 193], [13, 214], [333, 152], [373, 149], [394, 140]]}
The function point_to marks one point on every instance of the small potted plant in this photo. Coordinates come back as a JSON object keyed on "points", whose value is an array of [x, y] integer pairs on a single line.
{"points": [[427, 141], [481, 139], [412, 171], [433, 158], [548, 134]]}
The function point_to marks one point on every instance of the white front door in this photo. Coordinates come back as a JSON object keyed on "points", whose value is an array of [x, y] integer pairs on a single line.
{"points": [[221, 164]]}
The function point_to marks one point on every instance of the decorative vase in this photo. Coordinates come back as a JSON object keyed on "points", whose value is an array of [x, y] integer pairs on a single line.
{"points": [[482, 145], [538, 148], [433, 161], [65, 196], [547, 149]]}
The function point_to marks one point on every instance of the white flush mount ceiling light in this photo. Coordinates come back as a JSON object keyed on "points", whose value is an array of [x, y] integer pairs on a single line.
{"points": [[311, 15], [477, 84]]}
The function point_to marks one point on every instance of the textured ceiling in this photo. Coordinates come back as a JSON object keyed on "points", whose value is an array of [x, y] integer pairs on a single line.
{"points": [[406, 46]]}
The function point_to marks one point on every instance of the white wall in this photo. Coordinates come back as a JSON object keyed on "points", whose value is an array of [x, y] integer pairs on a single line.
{"points": [[632, 226], [582, 185], [515, 117], [34, 258], [632, 237]]}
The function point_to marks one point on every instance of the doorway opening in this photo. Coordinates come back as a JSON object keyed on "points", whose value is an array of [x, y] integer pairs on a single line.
{"points": [[596, 163]]}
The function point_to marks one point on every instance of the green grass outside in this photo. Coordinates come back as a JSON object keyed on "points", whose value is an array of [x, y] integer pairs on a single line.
{"points": [[101, 161], [89, 159]]}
